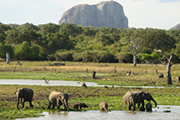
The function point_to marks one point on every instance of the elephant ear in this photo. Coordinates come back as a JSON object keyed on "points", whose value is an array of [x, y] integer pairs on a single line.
{"points": [[143, 94]]}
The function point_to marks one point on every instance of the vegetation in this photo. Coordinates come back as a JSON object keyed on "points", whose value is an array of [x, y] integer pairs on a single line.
{"points": [[103, 47], [106, 73], [92, 96], [68, 42]]}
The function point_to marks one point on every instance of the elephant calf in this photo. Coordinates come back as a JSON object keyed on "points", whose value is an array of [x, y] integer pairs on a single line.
{"points": [[103, 106], [79, 105], [133, 97], [149, 107], [57, 99], [24, 94]]}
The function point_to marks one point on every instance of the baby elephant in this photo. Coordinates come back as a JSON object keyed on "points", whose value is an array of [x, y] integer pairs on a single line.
{"points": [[149, 107], [79, 106], [24, 94], [103, 106]]}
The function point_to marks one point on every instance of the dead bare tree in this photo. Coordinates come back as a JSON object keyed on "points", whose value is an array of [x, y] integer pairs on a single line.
{"points": [[168, 65], [18, 63], [135, 48]]}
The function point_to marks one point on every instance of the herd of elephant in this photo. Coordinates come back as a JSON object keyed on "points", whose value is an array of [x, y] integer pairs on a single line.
{"points": [[131, 98]]}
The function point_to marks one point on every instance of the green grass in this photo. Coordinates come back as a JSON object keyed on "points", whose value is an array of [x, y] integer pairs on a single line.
{"points": [[92, 96], [83, 72]]}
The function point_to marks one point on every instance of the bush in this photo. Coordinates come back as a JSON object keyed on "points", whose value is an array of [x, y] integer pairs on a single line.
{"points": [[64, 55], [124, 57], [94, 56]]}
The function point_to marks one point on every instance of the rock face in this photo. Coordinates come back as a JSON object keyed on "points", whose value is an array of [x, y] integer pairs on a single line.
{"points": [[104, 14], [177, 27]]}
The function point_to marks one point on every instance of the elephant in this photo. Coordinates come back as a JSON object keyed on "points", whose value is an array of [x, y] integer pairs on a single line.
{"points": [[103, 106], [78, 105], [57, 99], [149, 107], [133, 97], [24, 94]]}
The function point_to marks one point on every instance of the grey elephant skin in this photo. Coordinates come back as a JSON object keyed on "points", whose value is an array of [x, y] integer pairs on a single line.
{"points": [[24, 94], [133, 97], [57, 99], [149, 107], [79, 106], [103, 106]]}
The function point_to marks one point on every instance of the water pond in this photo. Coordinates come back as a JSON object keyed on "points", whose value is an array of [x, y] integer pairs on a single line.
{"points": [[161, 113], [59, 83]]}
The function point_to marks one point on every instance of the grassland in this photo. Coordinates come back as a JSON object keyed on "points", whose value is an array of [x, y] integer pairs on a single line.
{"points": [[107, 74]]}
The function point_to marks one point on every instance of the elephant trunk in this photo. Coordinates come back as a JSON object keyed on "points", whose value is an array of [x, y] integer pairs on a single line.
{"points": [[66, 105], [154, 102]]}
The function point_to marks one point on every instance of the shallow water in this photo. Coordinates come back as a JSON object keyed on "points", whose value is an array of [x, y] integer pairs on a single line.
{"points": [[157, 114], [60, 83]]}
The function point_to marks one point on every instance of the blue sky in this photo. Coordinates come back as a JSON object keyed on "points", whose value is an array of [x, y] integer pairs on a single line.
{"points": [[161, 14]]}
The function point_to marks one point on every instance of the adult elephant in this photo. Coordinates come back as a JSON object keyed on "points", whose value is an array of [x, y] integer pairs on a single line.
{"points": [[24, 94], [133, 97], [57, 99]]}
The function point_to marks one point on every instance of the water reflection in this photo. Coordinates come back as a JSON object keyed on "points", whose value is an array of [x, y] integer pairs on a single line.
{"points": [[157, 114]]}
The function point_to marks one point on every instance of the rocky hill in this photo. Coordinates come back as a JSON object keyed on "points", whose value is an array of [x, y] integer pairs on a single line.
{"points": [[176, 27], [104, 14]]}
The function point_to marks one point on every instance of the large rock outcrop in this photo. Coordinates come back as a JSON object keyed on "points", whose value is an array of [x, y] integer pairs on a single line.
{"points": [[104, 14], [177, 27]]}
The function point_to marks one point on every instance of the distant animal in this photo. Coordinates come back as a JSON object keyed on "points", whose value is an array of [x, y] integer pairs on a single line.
{"points": [[24, 94], [46, 81], [112, 86], [149, 107], [83, 85], [57, 99], [128, 73], [106, 86], [133, 97], [79, 106], [103, 106], [161, 75], [157, 71], [94, 74]]}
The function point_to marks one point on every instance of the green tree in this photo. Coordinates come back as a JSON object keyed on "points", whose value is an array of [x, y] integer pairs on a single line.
{"points": [[35, 52], [6, 48], [23, 51]]}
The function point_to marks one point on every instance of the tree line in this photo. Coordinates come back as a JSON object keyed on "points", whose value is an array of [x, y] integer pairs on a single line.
{"points": [[69, 42]]}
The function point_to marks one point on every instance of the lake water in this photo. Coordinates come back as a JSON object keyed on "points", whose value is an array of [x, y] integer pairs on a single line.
{"points": [[60, 83], [161, 113]]}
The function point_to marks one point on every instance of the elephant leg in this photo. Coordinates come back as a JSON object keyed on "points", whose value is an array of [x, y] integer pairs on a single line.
{"points": [[143, 104], [30, 104], [49, 105], [58, 107], [53, 106], [138, 104], [134, 106], [22, 102], [18, 103], [129, 107]]}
